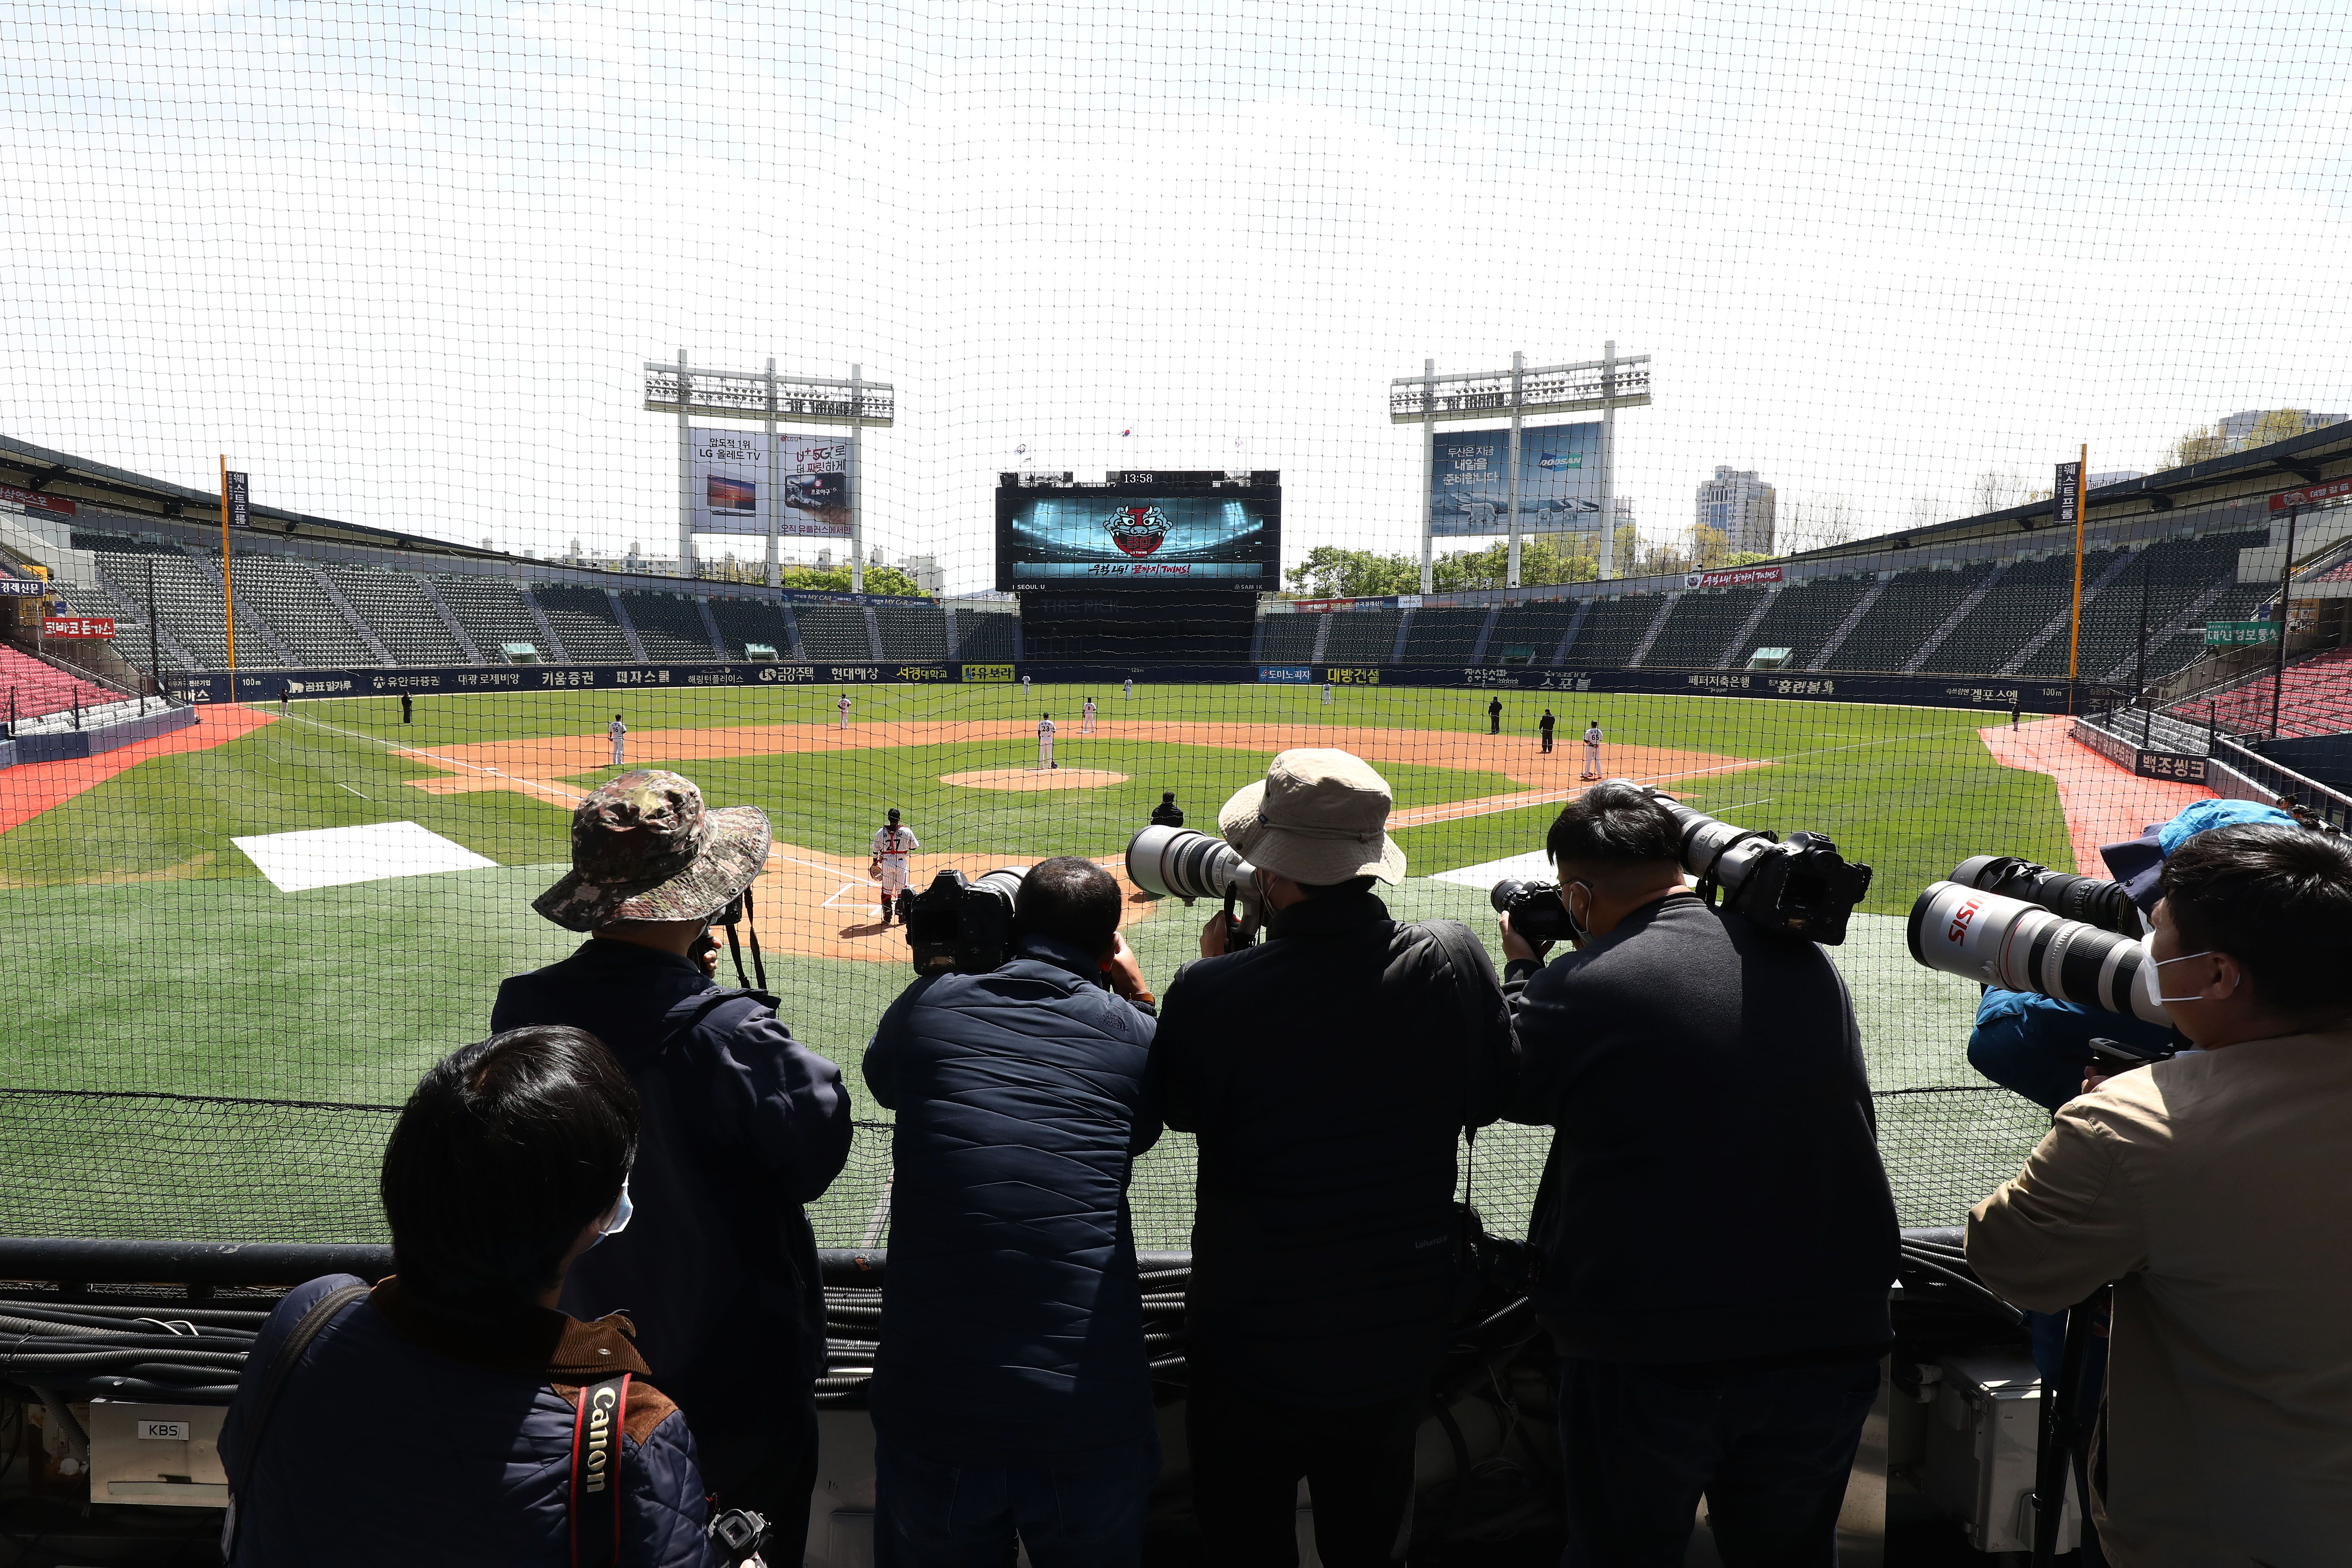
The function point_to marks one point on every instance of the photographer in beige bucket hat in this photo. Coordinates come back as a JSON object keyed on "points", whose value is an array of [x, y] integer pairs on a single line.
{"points": [[1328, 1073]]}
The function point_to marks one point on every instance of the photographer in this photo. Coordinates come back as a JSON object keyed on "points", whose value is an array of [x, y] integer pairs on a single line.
{"points": [[1328, 1074], [2039, 1045], [1011, 1392], [742, 1126], [433, 1419], [1717, 1230], [2215, 1189]]}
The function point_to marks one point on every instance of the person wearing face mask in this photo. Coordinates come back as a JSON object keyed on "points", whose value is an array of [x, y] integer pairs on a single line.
{"points": [[436, 1418], [1715, 1227], [1329, 1073], [2215, 1190], [743, 1126]]}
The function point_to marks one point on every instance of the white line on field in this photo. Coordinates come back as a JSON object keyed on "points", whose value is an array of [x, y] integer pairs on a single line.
{"points": [[340, 784]]}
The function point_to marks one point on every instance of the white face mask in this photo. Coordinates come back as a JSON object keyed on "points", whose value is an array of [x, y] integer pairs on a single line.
{"points": [[1583, 932], [622, 1209], [2193, 996]]}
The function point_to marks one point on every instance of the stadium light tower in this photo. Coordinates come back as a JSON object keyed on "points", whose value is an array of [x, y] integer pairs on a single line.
{"points": [[1607, 383], [764, 395]]}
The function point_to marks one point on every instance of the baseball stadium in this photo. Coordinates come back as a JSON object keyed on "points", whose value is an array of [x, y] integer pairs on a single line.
{"points": [[303, 704]]}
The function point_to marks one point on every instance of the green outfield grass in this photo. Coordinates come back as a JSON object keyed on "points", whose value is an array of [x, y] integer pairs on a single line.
{"points": [[148, 956]]}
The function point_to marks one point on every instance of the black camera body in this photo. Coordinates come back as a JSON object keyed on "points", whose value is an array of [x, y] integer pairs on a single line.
{"points": [[1536, 911], [1799, 887], [961, 925]]}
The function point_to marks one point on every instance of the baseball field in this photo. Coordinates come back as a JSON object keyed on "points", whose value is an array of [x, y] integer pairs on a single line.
{"points": [[232, 951]]}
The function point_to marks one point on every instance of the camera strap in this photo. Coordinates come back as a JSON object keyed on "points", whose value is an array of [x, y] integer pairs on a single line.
{"points": [[324, 1310], [596, 1473]]}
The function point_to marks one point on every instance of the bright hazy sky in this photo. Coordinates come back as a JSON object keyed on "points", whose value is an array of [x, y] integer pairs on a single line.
{"points": [[404, 263]]}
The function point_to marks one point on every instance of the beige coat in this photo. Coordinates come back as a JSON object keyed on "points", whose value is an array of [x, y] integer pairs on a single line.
{"points": [[2217, 1189]]}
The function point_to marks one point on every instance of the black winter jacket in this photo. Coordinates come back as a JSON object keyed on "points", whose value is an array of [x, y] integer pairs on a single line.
{"points": [[742, 1125], [1012, 1322], [1329, 1073], [1714, 1192], [396, 1442]]}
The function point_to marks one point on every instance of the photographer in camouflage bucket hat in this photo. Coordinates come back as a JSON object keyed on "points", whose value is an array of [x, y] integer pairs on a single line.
{"points": [[742, 1126]]}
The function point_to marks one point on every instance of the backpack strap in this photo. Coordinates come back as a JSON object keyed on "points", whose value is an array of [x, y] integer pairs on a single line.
{"points": [[324, 1310], [596, 1473]]}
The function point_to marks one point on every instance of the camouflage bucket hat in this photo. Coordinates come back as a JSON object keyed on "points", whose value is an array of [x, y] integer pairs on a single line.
{"points": [[645, 848]]}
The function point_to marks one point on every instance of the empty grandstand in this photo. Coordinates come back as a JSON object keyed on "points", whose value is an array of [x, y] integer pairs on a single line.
{"points": [[1363, 637], [669, 627], [1289, 639], [746, 622], [1700, 626], [986, 637], [1801, 618], [400, 608], [916, 634], [1613, 630], [585, 622], [494, 614], [1444, 637], [835, 633]]}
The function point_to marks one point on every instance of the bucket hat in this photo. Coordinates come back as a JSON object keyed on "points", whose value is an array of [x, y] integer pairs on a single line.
{"points": [[643, 848], [1317, 816]]}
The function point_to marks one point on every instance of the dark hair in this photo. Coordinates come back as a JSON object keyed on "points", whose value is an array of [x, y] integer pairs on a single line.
{"points": [[2276, 899], [1167, 795], [1070, 899], [1614, 821], [505, 1150]]}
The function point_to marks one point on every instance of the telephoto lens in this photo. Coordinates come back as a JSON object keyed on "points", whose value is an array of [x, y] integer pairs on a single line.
{"points": [[1183, 862], [1996, 939], [2093, 901]]}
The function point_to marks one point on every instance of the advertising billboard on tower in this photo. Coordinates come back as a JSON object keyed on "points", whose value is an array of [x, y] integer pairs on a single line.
{"points": [[1139, 529], [728, 472], [1559, 479]]}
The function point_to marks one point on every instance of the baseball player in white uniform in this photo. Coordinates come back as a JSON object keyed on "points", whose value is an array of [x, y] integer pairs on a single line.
{"points": [[843, 706], [620, 733], [1593, 750], [891, 844], [1326, 694], [1129, 691], [1045, 743], [1088, 728], [1024, 686]]}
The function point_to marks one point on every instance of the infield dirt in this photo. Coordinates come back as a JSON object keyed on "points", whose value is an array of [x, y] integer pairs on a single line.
{"points": [[824, 905]]}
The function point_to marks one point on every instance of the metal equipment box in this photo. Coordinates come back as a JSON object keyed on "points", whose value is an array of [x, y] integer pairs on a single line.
{"points": [[1984, 1435], [157, 1455]]}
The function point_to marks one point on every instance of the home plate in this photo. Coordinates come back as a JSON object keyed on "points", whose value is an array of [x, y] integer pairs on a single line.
{"points": [[333, 856], [1531, 867]]}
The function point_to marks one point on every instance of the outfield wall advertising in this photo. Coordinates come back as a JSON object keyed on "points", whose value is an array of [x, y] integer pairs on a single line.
{"points": [[1139, 536], [1903, 690]]}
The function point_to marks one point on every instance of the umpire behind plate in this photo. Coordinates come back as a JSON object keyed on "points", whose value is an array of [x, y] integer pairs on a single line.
{"points": [[1716, 1231]]}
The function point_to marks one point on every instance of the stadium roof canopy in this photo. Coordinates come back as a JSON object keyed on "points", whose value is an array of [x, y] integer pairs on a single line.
{"points": [[2305, 460], [30, 467]]}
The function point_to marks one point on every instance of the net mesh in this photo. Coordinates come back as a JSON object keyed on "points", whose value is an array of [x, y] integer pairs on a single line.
{"points": [[1083, 330]]}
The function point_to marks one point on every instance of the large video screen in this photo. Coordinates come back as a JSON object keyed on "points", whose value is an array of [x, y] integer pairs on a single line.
{"points": [[1139, 529]]}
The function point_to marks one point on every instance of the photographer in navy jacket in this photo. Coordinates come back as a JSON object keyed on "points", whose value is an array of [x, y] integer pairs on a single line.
{"points": [[1012, 1393], [743, 1125], [431, 1420]]}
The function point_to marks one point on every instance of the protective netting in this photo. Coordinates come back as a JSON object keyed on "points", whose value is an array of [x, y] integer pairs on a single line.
{"points": [[1146, 369]]}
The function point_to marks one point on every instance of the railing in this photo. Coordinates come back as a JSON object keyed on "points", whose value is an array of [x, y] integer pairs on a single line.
{"points": [[2241, 773]]}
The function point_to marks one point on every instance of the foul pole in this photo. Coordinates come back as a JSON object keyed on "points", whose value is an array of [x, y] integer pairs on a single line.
{"points": [[228, 587]]}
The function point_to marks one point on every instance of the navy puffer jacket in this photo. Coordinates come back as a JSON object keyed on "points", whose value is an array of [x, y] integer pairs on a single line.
{"points": [[395, 1441], [1011, 1321]]}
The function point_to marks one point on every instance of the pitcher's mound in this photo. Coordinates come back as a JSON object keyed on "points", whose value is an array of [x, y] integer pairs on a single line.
{"points": [[1036, 778]]}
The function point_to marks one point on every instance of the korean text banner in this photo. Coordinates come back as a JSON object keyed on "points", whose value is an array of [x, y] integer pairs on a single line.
{"points": [[728, 472], [1559, 479]]}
